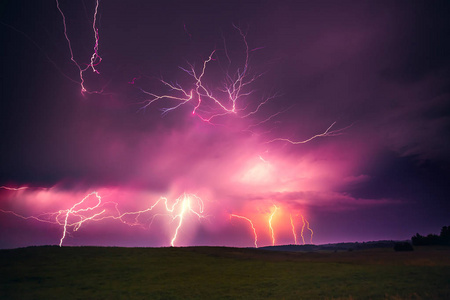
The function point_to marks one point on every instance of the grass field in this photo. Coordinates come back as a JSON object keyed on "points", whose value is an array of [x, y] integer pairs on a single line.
{"points": [[222, 273]]}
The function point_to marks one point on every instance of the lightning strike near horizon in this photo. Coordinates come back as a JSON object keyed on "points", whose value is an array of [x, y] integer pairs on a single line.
{"points": [[232, 95], [69, 218], [293, 230], [93, 208], [306, 223], [186, 206], [81, 212], [310, 230], [76, 213], [270, 224], [178, 210], [251, 224], [95, 58]]}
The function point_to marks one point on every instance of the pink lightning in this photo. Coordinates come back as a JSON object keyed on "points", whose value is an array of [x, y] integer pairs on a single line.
{"points": [[95, 57], [92, 208], [76, 212], [13, 189], [186, 206], [81, 212], [270, 224], [210, 103], [231, 97], [68, 218], [186, 203], [326, 133], [251, 224]]}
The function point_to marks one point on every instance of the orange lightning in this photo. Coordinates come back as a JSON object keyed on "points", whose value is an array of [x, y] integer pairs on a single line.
{"points": [[270, 225], [251, 224], [303, 228], [306, 223], [312, 232], [293, 230]]}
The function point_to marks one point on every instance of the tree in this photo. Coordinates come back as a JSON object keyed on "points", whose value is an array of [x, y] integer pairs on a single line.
{"points": [[445, 235], [433, 239], [403, 246], [418, 240]]}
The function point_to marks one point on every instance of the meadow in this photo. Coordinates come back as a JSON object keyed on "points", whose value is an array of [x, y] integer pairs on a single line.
{"points": [[222, 273]]}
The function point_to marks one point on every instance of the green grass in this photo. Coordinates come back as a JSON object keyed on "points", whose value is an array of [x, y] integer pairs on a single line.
{"points": [[222, 273]]}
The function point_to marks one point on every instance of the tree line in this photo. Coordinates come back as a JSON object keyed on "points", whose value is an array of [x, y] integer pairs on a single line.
{"points": [[433, 239]]}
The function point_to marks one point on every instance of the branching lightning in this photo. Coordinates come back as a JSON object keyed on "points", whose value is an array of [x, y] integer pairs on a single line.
{"points": [[74, 217], [92, 208], [231, 97], [95, 58], [209, 103], [83, 219]]}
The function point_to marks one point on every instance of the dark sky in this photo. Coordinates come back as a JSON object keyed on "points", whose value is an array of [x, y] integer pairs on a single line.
{"points": [[378, 71]]}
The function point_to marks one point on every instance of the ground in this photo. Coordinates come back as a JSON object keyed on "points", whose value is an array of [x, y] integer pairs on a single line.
{"points": [[222, 273]]}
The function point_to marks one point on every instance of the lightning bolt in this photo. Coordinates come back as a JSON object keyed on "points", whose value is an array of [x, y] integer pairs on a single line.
{"points": [[73, 211], [95, 58], [67, 215], [251, 224], [80, 213], [270, 224], [211, 103], [326, 133], [293, 230], [13, 188], [303, 228], [178, 210], [186, 207], [306, 224], [226, 99], [312, 232], [71, 219]]}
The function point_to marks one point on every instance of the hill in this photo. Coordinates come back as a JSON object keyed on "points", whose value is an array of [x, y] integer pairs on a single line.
{"points": [[332, 247]]}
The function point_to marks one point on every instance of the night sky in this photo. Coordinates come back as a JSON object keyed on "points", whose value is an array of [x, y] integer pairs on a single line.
{"points": [[378, 71]]}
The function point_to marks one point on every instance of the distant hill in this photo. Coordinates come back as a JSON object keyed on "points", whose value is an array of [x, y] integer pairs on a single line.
{"points": [[332, 247]]}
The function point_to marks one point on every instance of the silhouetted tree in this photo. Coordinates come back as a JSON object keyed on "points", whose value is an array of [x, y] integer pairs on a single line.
{"points": [[418, 240], [445, 235], [433, 239], [403, 246]]}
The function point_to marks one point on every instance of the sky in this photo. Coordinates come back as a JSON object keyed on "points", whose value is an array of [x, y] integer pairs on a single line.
{"points": [[188, 122]]}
